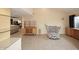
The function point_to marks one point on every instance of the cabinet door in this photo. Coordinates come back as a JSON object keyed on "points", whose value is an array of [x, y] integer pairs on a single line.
{"points": [[27, 30], [68, 31], [76, 34], [4, 27], [71, 32], [34, 30], [4, 23]]}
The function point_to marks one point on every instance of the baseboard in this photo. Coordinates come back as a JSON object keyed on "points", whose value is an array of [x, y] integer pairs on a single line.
{"points": [[41, 34], [46, 34]]}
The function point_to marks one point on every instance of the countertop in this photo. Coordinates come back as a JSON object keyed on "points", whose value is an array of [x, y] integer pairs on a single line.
{"points": [[76, 28], [7, 42]]}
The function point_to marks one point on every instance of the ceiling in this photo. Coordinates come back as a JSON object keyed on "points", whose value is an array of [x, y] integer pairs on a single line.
{"points": [[71, 9], [16, 12]]}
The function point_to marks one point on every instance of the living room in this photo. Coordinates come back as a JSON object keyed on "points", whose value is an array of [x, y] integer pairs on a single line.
{"points": [[33, 33], [51, 17]]}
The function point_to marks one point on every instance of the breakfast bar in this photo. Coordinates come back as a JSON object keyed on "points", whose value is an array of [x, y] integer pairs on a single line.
{"points": [[11, 44]]}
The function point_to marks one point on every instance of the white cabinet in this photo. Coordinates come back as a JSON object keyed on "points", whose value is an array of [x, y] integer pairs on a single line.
{"points": [[15, 46]]}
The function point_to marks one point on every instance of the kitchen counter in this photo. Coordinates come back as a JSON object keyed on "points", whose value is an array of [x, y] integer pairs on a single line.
{"points": [[8, 42]]}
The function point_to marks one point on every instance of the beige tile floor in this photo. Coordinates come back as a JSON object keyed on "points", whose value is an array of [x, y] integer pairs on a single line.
{"points": [[44, 43]]}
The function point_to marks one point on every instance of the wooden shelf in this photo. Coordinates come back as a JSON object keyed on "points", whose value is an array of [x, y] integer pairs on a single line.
{"points": [[29, 30], [73, 32]]}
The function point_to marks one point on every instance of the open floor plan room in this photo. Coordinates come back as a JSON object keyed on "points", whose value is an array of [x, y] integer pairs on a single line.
{"points": [[39, 28]]}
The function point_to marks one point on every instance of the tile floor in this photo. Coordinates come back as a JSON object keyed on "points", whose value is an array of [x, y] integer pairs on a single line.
{"points": [[44, 43]]}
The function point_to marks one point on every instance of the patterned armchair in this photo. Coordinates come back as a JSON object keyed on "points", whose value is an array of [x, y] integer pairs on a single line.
{"points": [[53, 32]]}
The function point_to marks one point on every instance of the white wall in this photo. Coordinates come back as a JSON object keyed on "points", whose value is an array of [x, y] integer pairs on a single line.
{"points": [[55, 17]]}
